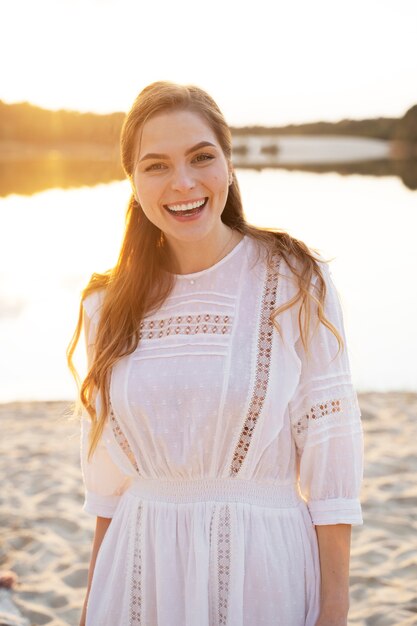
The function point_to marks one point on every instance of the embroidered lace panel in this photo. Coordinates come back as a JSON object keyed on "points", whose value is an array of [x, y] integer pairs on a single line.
{"points": [[121, 439], [136, 590], [262, 368], [203, 323], [341, 415], [316, 412], [224, 553]]}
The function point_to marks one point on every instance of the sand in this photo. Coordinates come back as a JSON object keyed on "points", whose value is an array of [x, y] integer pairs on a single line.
{"points": [[45, 537]]}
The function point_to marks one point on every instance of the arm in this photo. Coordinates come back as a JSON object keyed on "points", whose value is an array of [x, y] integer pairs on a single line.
{"points": [[327, 429], [334, 551], [102, 524], [103, 480]]}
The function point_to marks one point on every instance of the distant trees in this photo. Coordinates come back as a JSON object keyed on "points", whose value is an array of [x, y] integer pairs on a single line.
{"points": [[406, 128], [25, 122], [378, 128]]}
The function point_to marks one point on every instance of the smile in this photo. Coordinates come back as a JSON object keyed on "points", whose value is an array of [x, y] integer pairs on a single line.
{"points": [[186, 206]]}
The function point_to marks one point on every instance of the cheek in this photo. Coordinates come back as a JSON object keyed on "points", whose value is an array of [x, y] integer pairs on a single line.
{"points": [[219, 181], [152, 213], [148, 193]]}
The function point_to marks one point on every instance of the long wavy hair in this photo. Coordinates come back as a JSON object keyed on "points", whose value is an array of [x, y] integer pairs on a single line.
{"points": [[139, 282]]}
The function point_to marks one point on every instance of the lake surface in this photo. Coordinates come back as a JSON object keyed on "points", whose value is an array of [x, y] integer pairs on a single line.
{"points": [[51, 242]]}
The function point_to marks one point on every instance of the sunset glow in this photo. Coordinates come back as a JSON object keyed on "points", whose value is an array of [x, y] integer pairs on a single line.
{"points": [[265, 63]]}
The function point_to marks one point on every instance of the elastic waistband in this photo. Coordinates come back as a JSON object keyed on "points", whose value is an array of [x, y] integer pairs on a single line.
{"points": [[216, 489]]}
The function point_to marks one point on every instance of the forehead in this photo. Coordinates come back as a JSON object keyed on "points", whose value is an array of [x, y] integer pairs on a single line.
{"points": [[174, 131]]}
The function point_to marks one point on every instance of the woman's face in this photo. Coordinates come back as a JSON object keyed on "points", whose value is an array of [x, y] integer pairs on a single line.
{"points": [[181, 176]]}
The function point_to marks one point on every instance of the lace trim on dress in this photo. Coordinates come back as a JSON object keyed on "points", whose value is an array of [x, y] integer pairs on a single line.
{"points": [[121, 438], [316, 412], [203, 323], [224, 554], [262, 367], [136, 589], [340, 412]]}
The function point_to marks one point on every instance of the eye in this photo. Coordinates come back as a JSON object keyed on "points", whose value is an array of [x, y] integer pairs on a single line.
{"points": [[154, 167], [203, 156]]}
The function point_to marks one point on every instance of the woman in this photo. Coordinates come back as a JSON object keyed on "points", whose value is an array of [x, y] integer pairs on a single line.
{"points": [[223, 455]]}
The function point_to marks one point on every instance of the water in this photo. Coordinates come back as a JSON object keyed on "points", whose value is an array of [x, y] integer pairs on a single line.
{"points": [[51, 242]]}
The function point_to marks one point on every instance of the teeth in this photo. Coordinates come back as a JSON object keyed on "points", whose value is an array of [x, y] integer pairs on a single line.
{"points": [[185, 207]]}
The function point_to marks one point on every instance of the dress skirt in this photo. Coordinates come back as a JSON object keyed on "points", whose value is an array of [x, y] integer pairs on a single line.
{"points": [[207, 553]]}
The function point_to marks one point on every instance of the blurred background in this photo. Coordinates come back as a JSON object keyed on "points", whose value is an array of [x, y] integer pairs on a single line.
{"points": [[322, 101]]}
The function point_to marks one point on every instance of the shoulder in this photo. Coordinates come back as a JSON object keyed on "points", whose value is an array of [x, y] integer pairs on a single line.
{"points": [[294, 266], [92, 303], [288, 268], [291, 289]]}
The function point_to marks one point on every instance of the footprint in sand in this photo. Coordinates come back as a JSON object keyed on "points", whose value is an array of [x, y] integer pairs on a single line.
{"points": [[36, 617], [56, 601], [77, 578]]}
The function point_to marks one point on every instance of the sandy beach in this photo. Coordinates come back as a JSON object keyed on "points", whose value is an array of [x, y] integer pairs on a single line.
{"points": [[46, 538]]}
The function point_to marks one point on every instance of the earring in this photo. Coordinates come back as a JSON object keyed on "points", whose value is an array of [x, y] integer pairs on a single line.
{"points": [[134, 191], [230, 179]]}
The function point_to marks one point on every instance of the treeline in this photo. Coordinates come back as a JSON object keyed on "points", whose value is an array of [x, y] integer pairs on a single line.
{"points": [[381, 128], [24, 122], [28, 123], [389, 128]]}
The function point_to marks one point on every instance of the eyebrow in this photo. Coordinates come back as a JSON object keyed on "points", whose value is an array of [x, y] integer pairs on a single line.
{"points": [[154, 155]]}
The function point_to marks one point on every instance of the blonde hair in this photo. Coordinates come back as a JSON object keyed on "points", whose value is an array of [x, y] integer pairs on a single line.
{"points": [[138, 283]]}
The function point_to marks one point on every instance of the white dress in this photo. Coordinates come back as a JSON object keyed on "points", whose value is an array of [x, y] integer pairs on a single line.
{"points": [[223, 448]]}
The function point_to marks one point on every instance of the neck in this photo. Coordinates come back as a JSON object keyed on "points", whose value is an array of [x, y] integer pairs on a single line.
{"points": [[196, 256]]}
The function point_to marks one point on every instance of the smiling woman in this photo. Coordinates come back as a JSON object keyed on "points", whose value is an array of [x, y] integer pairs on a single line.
{"points": [[184, 180], [212, 439]]}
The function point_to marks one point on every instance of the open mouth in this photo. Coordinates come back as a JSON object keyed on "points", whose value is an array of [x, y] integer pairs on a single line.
{"points": [[186, 209]]}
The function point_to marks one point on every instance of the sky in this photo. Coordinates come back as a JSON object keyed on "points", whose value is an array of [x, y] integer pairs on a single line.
{"points": [[265, 62]]}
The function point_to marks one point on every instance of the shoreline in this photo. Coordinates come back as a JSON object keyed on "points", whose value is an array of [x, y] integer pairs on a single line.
{"points": [[265, 149], [29, 168]]}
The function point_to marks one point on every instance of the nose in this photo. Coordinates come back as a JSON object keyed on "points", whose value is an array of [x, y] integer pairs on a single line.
{"points": [[182, 179]]}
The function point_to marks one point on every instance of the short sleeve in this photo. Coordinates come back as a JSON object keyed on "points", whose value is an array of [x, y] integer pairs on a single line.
{"points": [[104, 482], [326, 422]]}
